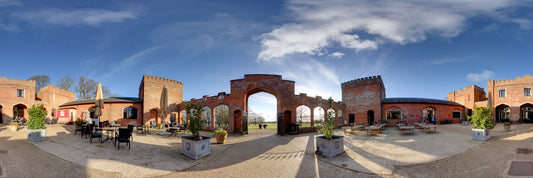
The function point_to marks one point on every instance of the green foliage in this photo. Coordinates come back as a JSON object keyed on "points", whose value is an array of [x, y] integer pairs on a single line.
{"points": [[78, 121], [328, 125], [37, 116], [221, 132], [482, 118], [194, 112], [14, 123], [507, 123]]}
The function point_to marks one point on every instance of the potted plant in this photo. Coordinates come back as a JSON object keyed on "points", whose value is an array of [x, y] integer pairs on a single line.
{"points": [[36, 130], [195, 146], [507, 126], [481, 122], [14, 126], [329, 145], [221, 135]]}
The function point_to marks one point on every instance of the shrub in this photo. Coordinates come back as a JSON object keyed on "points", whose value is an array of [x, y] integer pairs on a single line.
{"points": [[37, 116], [196, 122], [328, 125], [78, 121], [482, 118], [221, 132], [14, 123]]}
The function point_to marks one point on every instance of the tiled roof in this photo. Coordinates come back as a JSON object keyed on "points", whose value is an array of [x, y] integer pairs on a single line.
{"points": [[420, 100], [106, 100]]}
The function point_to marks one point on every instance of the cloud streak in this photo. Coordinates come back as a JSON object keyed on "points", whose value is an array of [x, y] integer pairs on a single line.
{"points": [[131, 60], [89, 17], [365, 25]]}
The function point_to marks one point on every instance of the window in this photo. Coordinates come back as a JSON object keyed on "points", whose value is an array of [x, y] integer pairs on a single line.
{"points": [[130, 113], [394, 114], [501, 93], [527, 91], [456, 115], [172, 118], [20, 93]]}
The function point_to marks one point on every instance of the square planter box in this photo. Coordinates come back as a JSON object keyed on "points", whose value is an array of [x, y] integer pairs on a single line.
{"points": [[480, 134], [195, 149], [330, 148], [36, 135]]}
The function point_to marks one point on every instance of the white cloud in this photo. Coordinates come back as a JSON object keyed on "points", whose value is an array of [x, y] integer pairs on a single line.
{"points": [[91, 17], [478, 77], [337, 54], [364, 25], [441, 61], [8, 27]]}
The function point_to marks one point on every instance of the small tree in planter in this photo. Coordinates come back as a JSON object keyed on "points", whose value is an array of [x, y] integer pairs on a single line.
{"points": [[14, 126], [36, 130], [195, 146], [481, 122], [329, 145]]}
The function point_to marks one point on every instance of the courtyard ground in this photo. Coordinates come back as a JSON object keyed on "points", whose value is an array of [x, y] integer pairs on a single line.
{"points": [[449, 152]]}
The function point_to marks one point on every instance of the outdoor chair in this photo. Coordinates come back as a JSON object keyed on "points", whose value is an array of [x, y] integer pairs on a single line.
{"points": [[114, 124], [95, 133], [123, 135], [130, 128], [79, 128], [86, 130], [141, 128]]}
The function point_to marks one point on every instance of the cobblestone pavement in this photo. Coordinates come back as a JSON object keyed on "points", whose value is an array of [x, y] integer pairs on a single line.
{"points": [[448, 153]]}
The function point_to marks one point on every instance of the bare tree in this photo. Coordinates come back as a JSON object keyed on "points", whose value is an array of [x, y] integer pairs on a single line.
{"points": [[65, 83], [302, 112], [86, 88], [222, 116], [40, 81]]}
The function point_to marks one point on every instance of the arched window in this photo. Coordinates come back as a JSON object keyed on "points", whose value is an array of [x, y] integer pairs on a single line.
{"points": [[130, 113]]}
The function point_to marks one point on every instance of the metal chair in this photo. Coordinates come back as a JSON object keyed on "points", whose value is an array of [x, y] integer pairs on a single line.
{"points": [[123, 135]]}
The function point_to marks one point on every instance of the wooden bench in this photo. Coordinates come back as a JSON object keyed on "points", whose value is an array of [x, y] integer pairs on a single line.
{"points": [[406, 129], [353, 128]]}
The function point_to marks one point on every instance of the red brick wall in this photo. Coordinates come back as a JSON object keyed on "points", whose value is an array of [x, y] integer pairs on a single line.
{"points": [[8, 96], [111, 111], [412, 112], [150, 92], [514, 93], [362, 95], [51, 96]]}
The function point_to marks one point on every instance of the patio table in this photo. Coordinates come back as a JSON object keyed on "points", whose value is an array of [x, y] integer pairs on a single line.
{"points": [[110, 133], [407, 129]]}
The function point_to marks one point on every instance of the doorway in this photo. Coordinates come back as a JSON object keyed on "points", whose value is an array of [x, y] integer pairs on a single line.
{"points": [[351, 118], [370, 116], [430, 115]]}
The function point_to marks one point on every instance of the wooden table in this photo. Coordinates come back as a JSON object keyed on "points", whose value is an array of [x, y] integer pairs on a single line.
{"points": [[406, 129], [430, 128], [374, 129], [353, 128]]}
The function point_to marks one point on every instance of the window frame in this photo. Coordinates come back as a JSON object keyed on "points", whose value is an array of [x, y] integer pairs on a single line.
{"points": [[500, 95], [21, 93], [453, 114], [527, 91], [132, 111], [391, 111]]}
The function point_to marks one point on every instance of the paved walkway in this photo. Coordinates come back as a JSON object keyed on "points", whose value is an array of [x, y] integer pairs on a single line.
{"points": [[449, 152]]}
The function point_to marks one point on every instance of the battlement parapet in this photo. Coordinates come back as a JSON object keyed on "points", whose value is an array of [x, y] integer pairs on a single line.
{"points": [[5, 80], [362, 81], [161, 80], [520, 79]]}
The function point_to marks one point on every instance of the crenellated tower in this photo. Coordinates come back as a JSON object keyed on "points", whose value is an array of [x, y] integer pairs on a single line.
{"points": [[362, 98]]}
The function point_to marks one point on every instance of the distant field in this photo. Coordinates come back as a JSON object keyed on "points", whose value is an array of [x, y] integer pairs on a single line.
{"points": [[273, 126]]}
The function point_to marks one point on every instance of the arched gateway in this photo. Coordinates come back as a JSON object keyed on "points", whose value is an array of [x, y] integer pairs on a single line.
{"points": [[283, 90]]}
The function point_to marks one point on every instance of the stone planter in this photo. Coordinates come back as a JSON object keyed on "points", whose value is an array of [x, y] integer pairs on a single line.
{"points": [[221, 138], [330, 148], [507, 127], [13, 128], [195, 149], [480, 134], [465, 122], [36, 135]]}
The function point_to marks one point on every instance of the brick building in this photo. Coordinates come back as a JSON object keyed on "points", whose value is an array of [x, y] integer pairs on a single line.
{"points": [[16, 96], [511, 99]]}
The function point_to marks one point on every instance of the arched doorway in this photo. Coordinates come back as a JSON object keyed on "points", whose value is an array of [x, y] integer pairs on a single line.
{"points": [[370, 116], [430, 115], [153, 117], [18, 111], [262, 109], [237, 114], [526, 113], [221, 116], [503, 113], [303, 116]]}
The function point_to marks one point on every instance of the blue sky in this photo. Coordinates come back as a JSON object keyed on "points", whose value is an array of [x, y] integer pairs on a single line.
{"points": [[420, 48]]}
